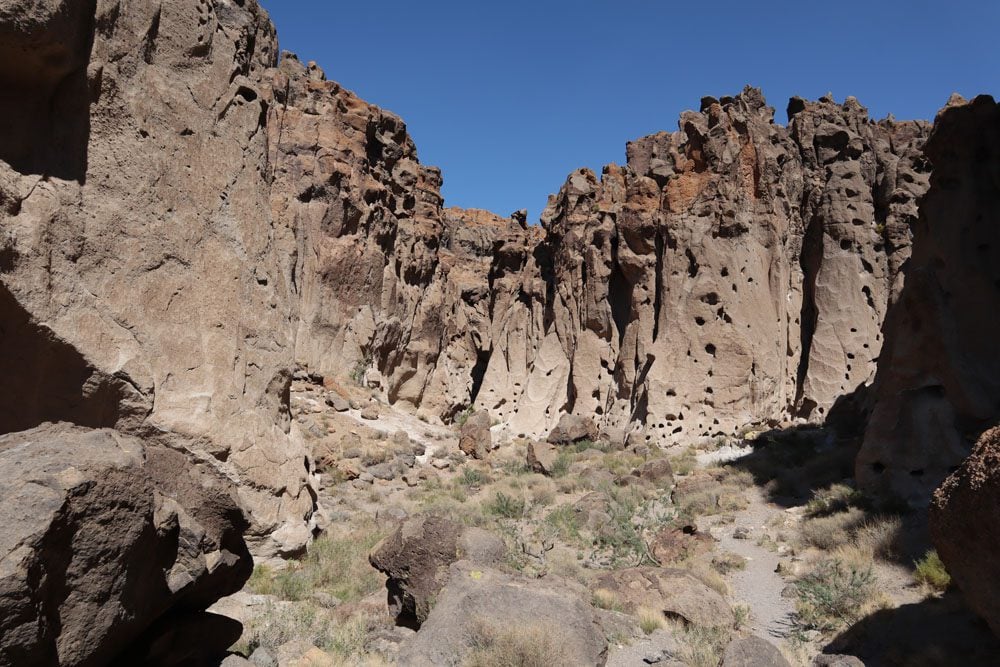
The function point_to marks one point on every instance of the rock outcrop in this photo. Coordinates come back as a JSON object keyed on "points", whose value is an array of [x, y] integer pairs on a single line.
{"points": [[938, 383], [105, 537], [965, 527], [733, 272], [549, 616], [143, 284]]}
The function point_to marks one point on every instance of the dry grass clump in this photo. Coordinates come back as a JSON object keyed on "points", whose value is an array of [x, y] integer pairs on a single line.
{"points": [[517, 646], [833, 499], [727, 562], [606, 599], [699, 646], [650, 620], [879, 535], [336, 564], [344, 639], [829, 532]]}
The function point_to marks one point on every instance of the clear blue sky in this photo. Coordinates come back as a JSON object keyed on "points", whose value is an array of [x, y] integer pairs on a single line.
{"points": [[509, 97]]}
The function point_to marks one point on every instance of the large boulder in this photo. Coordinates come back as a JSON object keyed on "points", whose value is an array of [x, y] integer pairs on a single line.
{"points": [[485, 611], [572, 429], [965, 527], [676, 593], [475, 438], [416, 557], [105, 538], [753, 652]]}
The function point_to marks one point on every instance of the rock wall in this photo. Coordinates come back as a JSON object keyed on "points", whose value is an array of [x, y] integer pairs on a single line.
{"points": [[734, 272], [938, 383], [120, 541], [143, 284]]}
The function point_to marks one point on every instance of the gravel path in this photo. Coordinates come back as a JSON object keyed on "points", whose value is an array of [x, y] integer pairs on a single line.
{"points": [[757, 585]]}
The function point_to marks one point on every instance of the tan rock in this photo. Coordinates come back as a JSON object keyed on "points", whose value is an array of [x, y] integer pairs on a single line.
{"points": [[145, 284]]}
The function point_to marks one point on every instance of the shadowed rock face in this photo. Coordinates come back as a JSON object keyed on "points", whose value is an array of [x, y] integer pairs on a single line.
{"points": [[938, 384], [965, 527], [104, 536], [143, 284]]}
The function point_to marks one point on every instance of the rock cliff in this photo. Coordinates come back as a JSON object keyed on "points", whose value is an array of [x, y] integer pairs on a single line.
{"points": [[143, 284], [733, 272], [938, 385]]}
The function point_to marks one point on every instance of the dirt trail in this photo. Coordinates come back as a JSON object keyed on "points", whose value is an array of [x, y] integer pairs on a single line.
{"points": [[757, 585]]}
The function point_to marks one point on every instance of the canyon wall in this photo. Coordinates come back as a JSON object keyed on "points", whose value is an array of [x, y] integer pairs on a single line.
{"points": [[731, 273], [938, 383], [143, 284]]}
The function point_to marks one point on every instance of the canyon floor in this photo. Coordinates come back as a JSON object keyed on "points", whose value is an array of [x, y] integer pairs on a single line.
{"points": [[768, 524]]}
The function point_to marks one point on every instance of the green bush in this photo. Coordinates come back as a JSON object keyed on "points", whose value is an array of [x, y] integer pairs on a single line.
{"points": [[931, 571], [464, 415], [833, 596], [506, 506]]}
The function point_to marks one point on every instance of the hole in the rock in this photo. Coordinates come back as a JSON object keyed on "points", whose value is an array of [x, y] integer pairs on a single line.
{"points": [[710, 348], [878, 467]]}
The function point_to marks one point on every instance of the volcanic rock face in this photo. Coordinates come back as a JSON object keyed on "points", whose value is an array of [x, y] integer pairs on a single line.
{"points": [[938, 384], [143, 285], [393, 288], [734, 272], [102, 537]]}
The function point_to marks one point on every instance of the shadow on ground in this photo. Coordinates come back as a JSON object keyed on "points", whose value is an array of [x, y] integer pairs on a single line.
{"points": [[938, 632]]}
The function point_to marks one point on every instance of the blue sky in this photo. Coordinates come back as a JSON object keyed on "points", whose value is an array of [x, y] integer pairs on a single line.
{"points": [[509, 97]]}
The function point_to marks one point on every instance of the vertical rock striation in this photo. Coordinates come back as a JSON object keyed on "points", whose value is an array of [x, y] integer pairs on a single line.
{"points": [[938, 383], [143, 285]]}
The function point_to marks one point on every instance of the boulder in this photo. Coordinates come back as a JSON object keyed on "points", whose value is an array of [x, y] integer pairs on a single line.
{"points": [[753, 652], [337, 402], [120, 547], [415, 558], [371, 411], [475, 438], [481, 608], [965, 527], [677, 593], [657, 472], [541, 457], [572, 429]]}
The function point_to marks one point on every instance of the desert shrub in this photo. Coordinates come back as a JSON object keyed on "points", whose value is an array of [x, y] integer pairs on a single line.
{"points": [[563, 520], [833, 596], [471, 477], [930, 571], [335, 564], [505, 506], [464, 415], [358, 372], [834, 499], [517, 646], [684, 463], [562, 463]]}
